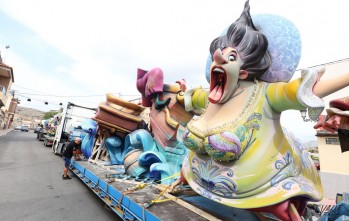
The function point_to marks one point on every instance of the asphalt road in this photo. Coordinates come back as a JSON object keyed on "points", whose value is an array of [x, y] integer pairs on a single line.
{"points": [[31, 185]]}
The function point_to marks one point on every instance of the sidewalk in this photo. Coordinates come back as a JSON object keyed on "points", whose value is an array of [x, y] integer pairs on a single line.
{"points": [[3, 132]]}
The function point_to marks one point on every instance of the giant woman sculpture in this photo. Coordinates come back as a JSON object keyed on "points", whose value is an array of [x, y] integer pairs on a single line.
{"points": [[240, 155]]}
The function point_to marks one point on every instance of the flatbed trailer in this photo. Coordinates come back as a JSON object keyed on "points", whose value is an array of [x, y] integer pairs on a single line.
{"points": [[48, 140], [117, 194]]}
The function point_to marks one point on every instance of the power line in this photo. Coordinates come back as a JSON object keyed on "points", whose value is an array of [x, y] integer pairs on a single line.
{"points": [[45, 102], [15, 85], [48, 95], [332, 62], [323, 64], [52, 102], [95, 95], [92, 95], [130, 95], [30, 96]]}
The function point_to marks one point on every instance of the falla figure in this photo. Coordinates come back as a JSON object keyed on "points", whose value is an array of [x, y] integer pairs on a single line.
{"points": [[239, 154]]}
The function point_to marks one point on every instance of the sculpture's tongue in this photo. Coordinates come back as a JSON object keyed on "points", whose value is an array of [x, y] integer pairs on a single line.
{"points": [[216, 94]]}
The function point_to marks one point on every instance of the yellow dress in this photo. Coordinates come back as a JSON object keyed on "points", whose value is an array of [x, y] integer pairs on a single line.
{"points": [[251, 162]]}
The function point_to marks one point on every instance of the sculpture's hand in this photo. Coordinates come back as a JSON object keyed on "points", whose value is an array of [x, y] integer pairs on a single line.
{"points": [[319, 124], [342, 121], [333, 123], [196, 100]]}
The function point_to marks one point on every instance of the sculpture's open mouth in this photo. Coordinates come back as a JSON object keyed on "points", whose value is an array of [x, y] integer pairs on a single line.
{"points": [[217, 84]]}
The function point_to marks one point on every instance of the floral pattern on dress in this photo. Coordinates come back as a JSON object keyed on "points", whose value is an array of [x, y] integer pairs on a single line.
{"points": [[214, 179]]}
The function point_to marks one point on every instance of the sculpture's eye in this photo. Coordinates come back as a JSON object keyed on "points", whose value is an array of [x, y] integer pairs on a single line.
{"points": [[231, 58]]}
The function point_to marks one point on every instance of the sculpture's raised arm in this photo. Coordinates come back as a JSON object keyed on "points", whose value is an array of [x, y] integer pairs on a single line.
{"points": [[329, 86]]}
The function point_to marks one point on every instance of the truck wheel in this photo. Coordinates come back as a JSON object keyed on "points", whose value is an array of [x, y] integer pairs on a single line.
{"points": [[53, 149], [63, 149], [64, 146], [57, 149]]}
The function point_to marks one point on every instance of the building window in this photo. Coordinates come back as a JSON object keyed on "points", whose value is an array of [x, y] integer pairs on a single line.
{"points": [[332, 140]]}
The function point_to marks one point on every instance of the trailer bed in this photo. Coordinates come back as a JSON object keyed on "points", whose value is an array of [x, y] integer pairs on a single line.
{"points": [[130, 205]]}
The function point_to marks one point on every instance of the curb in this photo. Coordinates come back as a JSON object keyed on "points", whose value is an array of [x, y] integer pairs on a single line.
{"points": [[4, 132]]}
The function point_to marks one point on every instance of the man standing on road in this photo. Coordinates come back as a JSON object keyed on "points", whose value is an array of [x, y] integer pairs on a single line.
{"points": [[68, 154]]}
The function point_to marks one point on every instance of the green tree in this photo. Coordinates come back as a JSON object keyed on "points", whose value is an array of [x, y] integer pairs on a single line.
{"points": [[50, 114]]}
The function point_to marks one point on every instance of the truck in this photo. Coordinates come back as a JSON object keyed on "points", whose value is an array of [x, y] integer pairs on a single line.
{"points": [[114, 173], [139, 161], [69, 125]]}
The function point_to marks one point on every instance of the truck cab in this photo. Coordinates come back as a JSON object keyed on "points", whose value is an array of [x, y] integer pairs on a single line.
{"points": [[69, 126], [76, 132]]}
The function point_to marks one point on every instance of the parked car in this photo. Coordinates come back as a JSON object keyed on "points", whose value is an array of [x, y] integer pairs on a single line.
{"points": [[18, 128], [25, 128]]}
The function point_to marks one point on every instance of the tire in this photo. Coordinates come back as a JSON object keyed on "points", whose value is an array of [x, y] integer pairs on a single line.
{"points": [[63, 149], [55, 150], [64, 146]]}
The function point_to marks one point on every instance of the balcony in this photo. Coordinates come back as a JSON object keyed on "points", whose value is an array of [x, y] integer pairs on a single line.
{"points": [[6, 79], [2, 95]]}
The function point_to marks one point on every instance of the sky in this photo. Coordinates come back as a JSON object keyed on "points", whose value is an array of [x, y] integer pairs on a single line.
{"points": [[78, 51]]}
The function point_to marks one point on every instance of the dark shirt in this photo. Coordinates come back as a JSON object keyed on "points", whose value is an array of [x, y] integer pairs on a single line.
{"points": [[343, 135], [72, 146]]}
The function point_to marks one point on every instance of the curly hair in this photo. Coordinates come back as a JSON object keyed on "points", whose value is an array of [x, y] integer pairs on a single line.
{"points": [[250, 44]]}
